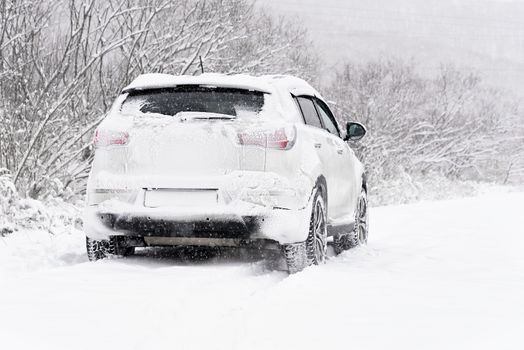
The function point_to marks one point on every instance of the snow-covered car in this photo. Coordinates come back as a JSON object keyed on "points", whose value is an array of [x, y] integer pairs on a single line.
{"points": [[225, 161]]}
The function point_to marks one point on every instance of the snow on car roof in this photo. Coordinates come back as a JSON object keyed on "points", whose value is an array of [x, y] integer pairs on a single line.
{"points": [[294, 85], [266, 84]]}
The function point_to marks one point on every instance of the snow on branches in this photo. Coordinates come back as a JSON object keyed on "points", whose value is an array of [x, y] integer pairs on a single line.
{"points": [[449, 125], [62, 62]]}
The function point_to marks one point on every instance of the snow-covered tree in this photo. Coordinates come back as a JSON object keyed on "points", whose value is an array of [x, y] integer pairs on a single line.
{"points": [[450, 124], [62, 62]]}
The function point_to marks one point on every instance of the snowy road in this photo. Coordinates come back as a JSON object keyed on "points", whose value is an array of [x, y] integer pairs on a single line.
{"points": [[435, 275]]}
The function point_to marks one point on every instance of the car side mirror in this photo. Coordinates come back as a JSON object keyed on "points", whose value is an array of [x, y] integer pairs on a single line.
{"points": [[354, 131]]}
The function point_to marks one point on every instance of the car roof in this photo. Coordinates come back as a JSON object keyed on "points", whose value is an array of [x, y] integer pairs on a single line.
{"points": [[265, 84]]}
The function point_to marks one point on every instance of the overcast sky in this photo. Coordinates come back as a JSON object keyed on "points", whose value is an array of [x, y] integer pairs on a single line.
{"points": [[484, 35]]}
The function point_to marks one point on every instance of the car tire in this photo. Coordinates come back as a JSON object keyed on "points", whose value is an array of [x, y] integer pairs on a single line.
{"points": [[359, 234], [295, 256], [314, 250], [316, 243], [98, 249], [101, 249]]}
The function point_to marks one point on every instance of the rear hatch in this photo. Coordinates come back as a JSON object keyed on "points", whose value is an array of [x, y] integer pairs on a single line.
{"points": [[190, 146], [186, 131]]}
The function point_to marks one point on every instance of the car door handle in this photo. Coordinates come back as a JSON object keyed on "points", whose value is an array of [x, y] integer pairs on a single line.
{"points": [[318, 145], [340, 151]]}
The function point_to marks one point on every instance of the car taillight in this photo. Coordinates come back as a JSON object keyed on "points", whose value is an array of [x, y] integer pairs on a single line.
{"points": [[110, 138], [281, 138]]}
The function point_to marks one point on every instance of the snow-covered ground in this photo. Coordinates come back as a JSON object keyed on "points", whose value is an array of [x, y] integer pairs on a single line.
{"points": [[435, 275]]}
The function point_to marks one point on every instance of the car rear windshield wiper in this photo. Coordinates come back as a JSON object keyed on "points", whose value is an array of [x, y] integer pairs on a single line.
{"points": [[203, 116]]}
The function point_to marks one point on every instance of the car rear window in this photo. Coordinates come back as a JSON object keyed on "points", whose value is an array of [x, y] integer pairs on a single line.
{"points": [[234, 102]]}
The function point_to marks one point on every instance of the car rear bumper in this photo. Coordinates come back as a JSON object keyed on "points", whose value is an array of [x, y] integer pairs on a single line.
{"points": [[208, 226], [248, 207], [279, 225]]}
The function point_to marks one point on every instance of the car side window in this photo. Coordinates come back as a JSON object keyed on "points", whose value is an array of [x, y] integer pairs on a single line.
{"points": [[309, 112], [327, 118]]}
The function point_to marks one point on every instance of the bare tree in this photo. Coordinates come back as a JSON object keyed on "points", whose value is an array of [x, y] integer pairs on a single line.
{"points": [[450, 124], [62, 62]]}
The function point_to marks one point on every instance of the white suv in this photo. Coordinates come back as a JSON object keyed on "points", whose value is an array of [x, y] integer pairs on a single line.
{"points": [[225, 161]]}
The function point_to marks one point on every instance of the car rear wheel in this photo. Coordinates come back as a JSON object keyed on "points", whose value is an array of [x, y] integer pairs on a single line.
{"points": [[359, 234], [316, 244], [314, 250], [101, 249], [97, 249]]}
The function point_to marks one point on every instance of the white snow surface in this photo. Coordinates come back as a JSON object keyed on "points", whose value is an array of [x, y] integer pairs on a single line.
{"points": [[435, 275]]}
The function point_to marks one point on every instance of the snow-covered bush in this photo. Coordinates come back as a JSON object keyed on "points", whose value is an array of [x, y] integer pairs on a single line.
{"points": [[403, 188], [450, 126], [16, 213], [8, 198]]}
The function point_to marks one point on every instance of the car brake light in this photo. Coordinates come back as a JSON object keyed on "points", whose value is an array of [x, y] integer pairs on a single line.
{"points": [[110, 138], [281, 138]]}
